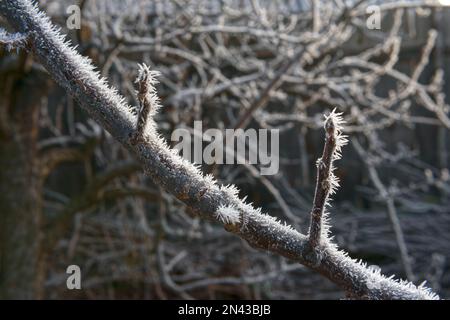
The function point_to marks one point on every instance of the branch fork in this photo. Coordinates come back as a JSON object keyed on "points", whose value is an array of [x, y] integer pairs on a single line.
{"points": [[13, 40]]}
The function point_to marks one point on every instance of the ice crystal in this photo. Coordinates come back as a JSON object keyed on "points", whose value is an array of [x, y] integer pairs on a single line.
{"points": [[228, 215]]}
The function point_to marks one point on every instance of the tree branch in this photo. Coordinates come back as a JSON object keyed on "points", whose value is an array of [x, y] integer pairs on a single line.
{"points": [[13, 40], [148, 101], [52, 158], [392, 212], [95, 190]]}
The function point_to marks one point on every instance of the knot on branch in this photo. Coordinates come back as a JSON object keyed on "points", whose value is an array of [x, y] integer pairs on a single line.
{"points": [[313, 255]]}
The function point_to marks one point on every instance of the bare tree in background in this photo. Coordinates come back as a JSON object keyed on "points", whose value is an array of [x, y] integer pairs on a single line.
{"points": [[234, 66]]}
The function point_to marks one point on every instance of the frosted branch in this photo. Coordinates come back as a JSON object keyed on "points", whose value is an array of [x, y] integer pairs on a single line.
{"points": [[12, 40], [148, 101], [327, 182]]}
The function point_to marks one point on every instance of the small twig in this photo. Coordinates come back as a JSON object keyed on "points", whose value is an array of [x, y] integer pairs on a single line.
{"points": [[50, 159], [148, 101], [391, 210], [13, 40], [262, 100], [326, 183]]}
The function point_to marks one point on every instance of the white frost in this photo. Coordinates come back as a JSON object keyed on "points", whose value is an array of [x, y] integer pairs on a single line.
{"points": [[228, 215]]}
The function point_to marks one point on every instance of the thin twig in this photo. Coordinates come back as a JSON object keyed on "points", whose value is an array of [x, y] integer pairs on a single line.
{"points": [[326, 182], [391, 210], [148, 101], [13, 40]]}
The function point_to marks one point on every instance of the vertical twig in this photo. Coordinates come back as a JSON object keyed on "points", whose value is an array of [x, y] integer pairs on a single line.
{"points": [[326, 182], [316, 15], [392, 212], [148, 101]]}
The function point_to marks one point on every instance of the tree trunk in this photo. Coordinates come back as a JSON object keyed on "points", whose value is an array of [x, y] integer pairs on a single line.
{"points": [[20, 186]]}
